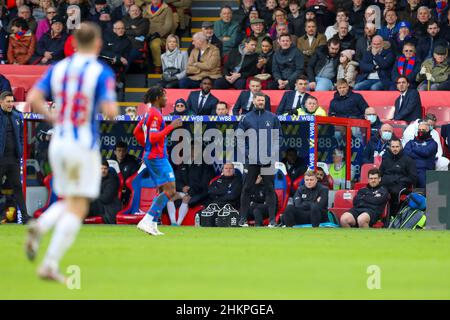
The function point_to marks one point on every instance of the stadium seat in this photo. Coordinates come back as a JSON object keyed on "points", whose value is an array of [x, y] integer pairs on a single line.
{"points": [[19, 94], [143, 191], [385, 112], [383, 222], [34, 174], [343, 201], [399, 127], [441, 113], [23, 76], [364, 179]]}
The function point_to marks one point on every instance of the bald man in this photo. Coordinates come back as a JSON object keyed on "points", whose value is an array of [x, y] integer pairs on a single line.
{"points": [[370, 114], [378, 143]]}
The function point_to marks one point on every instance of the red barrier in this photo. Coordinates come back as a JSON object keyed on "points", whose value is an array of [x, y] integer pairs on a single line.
{"points": [[374, 98], [22, 76]]}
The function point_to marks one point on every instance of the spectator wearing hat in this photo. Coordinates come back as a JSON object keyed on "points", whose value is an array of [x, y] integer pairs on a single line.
{"points": [[226, 29], [50, 48], [408, 106], [421, 26], [162, 24], [136, 29], [174, 63], [389, 29], [296, 19], [310, 41], [435, 71], [426, 45], [376, 66], [208, 32], [254, 14], [322, 68], [204, 61], [22, 43], [287, 64], [180, 108], [348, 68], [404, 35], [408, 65], [240, 65], [101, 15], [257, 28]]}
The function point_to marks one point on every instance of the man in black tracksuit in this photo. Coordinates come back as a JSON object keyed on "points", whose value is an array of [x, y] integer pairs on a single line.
{"points": [[310, 203], [262, 122], [11, 148], [368, 204], [227, 189], [398, 170]]}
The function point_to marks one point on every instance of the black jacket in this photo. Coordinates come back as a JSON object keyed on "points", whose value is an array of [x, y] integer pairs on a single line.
{"points": [[411, 108], [116, 47], [348, 42], [260, 121], [287, 103], [371, 199], [197, 177], [351, 105], [108, 197], [375, 144], [141, 29], [425, 46], [226, 190], [54, 45], [318, 61], [287, 64], [242, 102], [305, 195], [17, 124], [398, 170], [128, 166], [248, 68]]}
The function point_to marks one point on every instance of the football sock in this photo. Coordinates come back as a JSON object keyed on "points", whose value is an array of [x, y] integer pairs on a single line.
{"points": [[182, 212], [171, 210], [50, 216], [64, 235], [157, 206]]}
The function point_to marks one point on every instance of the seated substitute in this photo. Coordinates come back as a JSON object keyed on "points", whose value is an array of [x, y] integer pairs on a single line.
{"points": [[369, 203], [227, 189], [107, 204], [310, 203], [259, 209]]}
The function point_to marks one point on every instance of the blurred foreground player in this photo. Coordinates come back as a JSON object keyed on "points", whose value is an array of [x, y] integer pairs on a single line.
{"points": [[79, 86], [151, 133]]}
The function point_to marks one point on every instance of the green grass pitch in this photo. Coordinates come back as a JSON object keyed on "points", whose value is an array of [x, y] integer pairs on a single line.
{"points": [[120, 262]]}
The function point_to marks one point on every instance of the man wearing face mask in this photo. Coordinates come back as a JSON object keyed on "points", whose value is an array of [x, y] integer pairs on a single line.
{"points": [[398, 171], [422, 150], [370, 114], [378, 144], [411, 131]]}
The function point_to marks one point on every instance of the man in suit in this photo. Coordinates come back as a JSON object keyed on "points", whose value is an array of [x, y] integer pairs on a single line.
{"points": [[244, 103], [408, 106], [294, 100], [202, 102]]}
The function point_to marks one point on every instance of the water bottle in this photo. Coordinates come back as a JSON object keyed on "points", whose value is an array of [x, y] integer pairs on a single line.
{"points": [[197, 220]]}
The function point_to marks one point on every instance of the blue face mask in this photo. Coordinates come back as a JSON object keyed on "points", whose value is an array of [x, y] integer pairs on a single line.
{"points": [[386, 135], [338, 135], [372, 118]]}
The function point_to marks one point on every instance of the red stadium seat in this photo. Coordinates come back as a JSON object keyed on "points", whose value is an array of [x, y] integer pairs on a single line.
{"points": [[441, 113], [343, 201], [19, 94], [23, 76], [50, 198], [385, 112]]}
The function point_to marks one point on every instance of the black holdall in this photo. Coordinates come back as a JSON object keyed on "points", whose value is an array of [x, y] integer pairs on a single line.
{"points": [[208, 216], [227, 217]]}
